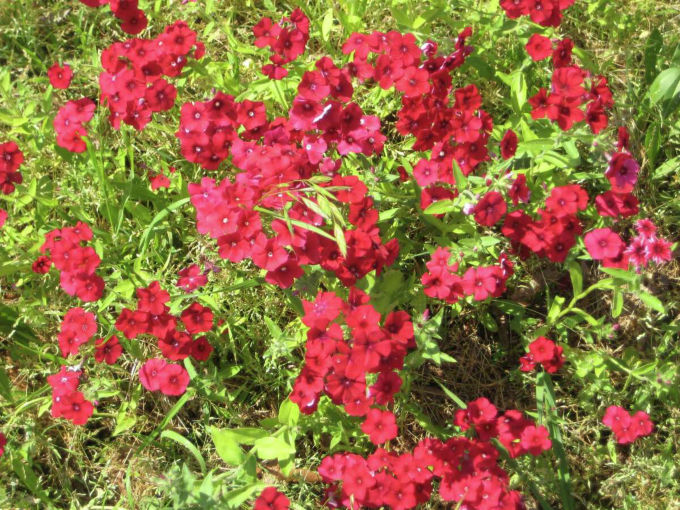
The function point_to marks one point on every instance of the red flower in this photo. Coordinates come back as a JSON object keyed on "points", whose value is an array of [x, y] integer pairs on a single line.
{"points": [[539, 47], [322, 311], [10, 161], [379, 426], [42, 265], [602, 243], [197, 318], [539, 104], [562, 53], [3, 442], [384, 389], [508, 144], [152, 299], [622, 172], [567, 200], [60, 77], [191, 278], [519, 191], [108, 350], [625, 427], [490, 209], [74, 407], [201, 349], [564, 110], [535, 440], [150, 373], [3, 218], [173, 380], [271, 499]]}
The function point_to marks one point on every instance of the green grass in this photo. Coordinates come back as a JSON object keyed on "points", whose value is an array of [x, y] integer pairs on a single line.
{"points": [[129, 455]]}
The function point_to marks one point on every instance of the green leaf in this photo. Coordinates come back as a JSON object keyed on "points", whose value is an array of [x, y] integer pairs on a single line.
{"points": [[183, 441], [555, 309], [227, 447], [617, 303], [576, 276], [545, 398], [459, 402], [652, 302], [269, 448], [248, 435], [461, 180], [621, 274], [665, 86], [440, 207], [327, 24], [289, 413], [236, 498]]}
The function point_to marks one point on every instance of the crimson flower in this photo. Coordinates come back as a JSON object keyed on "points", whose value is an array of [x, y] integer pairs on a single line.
{"points": [[508, 144], [271, 499], [108, 350], [379, 426], [535, 440], [539, 47], [490, 209], [60, 76], [191, 278]]}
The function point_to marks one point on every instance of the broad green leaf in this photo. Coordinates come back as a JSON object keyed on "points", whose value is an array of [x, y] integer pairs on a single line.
{"points": [[652, 302], [665, 86], [269, 448], [227, 447]]}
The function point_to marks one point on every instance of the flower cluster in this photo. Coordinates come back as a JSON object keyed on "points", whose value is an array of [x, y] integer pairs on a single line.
{"points": [[69, 124], [626, 427], [271, 499], [453, 132], [547, 13], [544, 352], [568, 91], [76, 261], [67, 401], [606, 245], [340, 367], [170, 379], [11, 159], [77, 327], [555, 233], [227, 212], [60, 76], [517, 433], [286, 39], [467, 469], [442, 281], [132, 18], [132, 84], [152, 317]]}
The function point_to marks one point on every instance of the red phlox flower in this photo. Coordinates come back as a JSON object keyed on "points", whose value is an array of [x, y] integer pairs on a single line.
{"points": [[490, 209], [108, 350], [509, 144], [173, 380], [191, 278], [60, 76], [603, 243], [535, 440], [149, 373], [271, 499], [539, 47]]}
